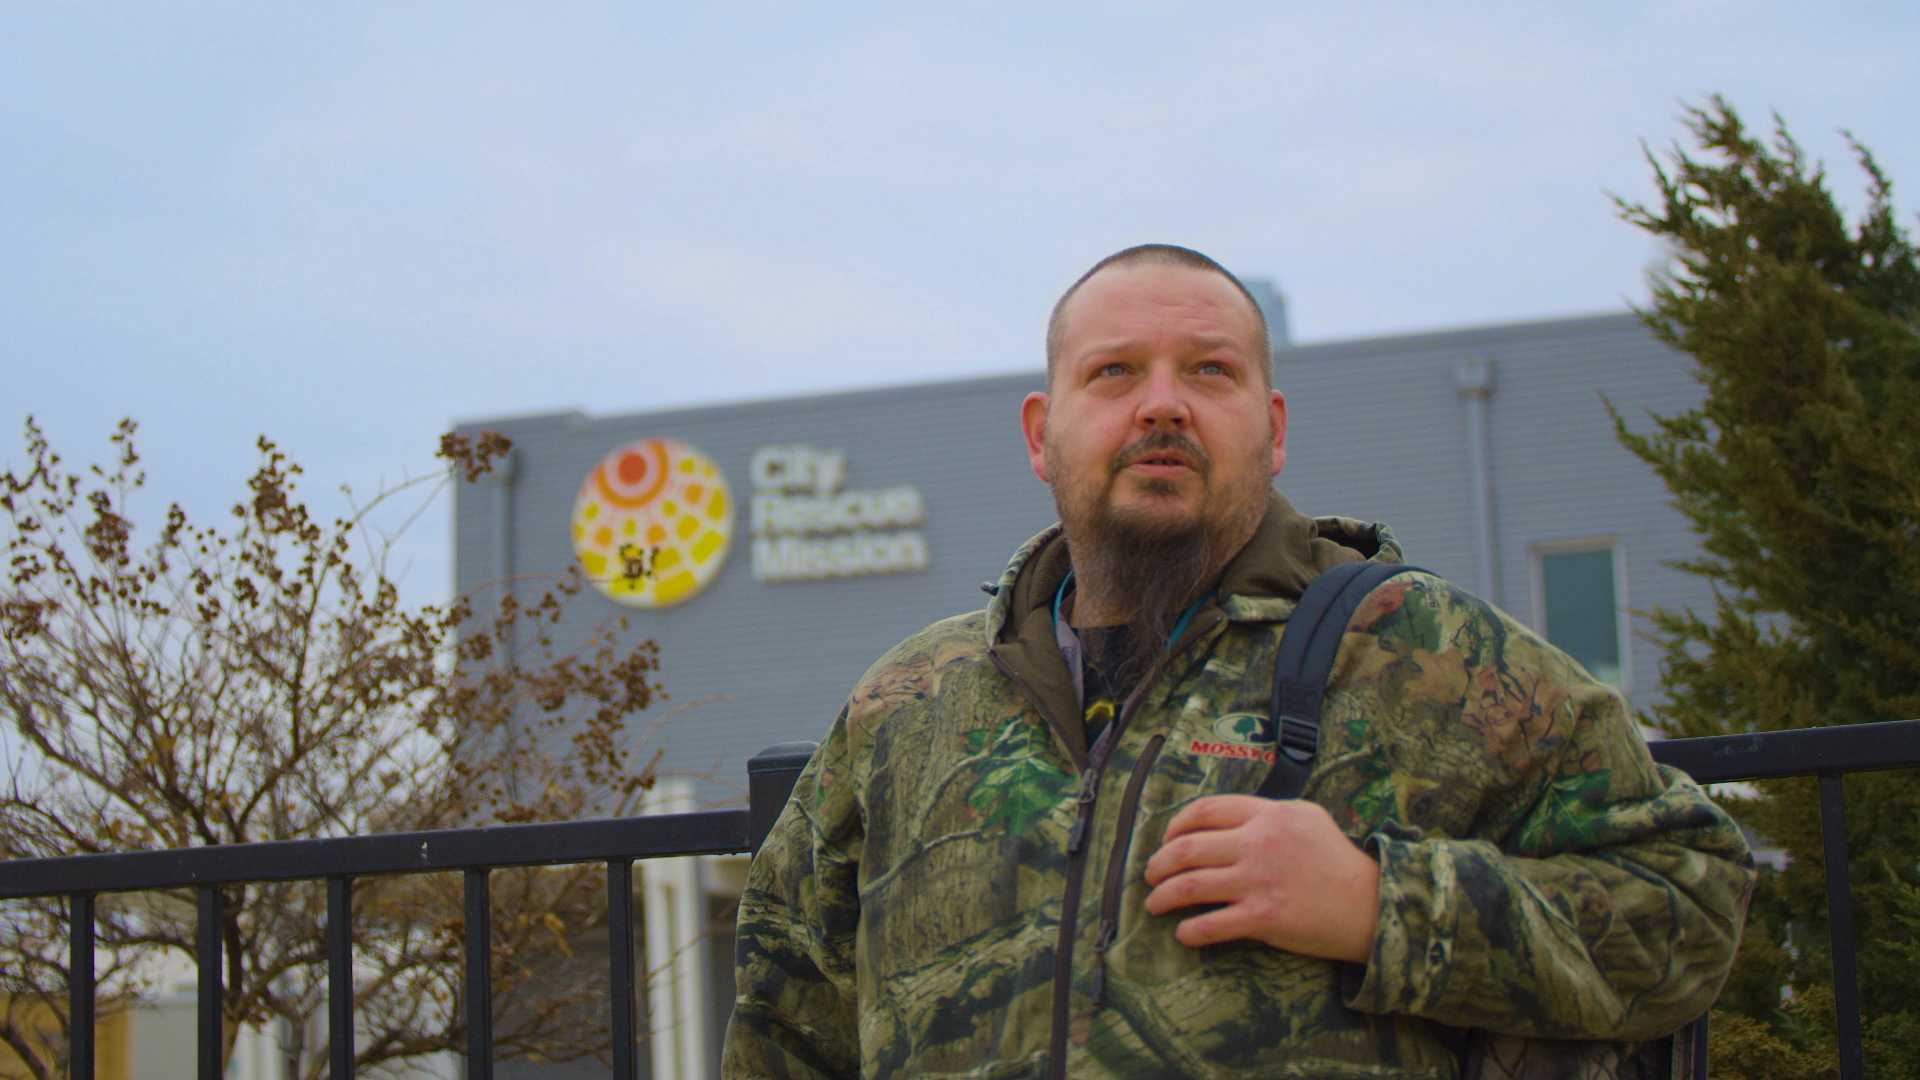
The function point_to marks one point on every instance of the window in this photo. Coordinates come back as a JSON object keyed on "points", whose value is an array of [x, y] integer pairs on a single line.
{"points": [[1580, 609]]}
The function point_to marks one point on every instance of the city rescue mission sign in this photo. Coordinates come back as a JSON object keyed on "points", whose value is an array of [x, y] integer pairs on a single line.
{"points": [[653, 522], [805, 527]]}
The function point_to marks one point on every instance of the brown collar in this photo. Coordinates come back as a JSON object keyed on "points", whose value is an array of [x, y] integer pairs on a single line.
{"points": [[1286, 553]]}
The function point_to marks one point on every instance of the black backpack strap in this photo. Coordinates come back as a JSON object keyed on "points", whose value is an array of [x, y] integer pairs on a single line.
{"points": [[1308, 646]]}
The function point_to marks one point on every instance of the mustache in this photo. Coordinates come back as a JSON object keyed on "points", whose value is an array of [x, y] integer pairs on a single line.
{"points": [[1160, 442]]}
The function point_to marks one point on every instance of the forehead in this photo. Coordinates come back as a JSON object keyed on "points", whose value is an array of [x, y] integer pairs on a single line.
{"points": [[1123, 305]]}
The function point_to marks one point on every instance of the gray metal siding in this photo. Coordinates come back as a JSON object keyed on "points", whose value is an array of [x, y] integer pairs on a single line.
{"points": [[1377, 432], [781, 657], [1560, 473], [1374, 432]]}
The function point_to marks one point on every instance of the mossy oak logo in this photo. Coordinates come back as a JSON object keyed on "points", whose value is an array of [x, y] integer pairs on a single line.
{"points": [[1239, 735]]}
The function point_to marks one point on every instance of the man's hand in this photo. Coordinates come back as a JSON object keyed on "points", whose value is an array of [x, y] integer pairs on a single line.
{"points": [[1288, 876]]}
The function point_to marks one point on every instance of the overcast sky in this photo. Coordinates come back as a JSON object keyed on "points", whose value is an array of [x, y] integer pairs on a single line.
{"points": [[348, 225]]}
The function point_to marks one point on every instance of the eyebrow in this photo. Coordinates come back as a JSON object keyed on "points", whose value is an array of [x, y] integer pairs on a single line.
{"points": [[1214, 341], [1205, 341]]}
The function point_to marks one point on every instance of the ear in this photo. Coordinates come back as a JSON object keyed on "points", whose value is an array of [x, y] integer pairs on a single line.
{"points": [[1033, 423], [1277, 407]]}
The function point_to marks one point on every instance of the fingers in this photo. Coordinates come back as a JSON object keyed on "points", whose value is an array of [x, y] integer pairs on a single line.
{"points": [[1214, 812], [1286, 873], [1211, 886], [1230, 923], [1218, 847]]}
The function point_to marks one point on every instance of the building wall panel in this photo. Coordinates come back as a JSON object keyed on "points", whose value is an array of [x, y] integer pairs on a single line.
{"points": [[1377, 431]]}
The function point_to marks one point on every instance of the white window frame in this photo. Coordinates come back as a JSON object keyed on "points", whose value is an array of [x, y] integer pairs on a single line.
{"points": [[1622, 613]]}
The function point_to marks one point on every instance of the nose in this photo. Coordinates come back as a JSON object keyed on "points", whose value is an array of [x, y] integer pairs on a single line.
{"points": [[1163, 407]]}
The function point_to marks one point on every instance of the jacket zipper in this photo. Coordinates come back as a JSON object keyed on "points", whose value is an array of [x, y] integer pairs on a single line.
{"points": [[1077, 854], [1117, 866], [1070, 910]]}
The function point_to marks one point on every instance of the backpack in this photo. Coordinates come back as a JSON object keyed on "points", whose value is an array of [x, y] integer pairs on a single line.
{"points": [[1308, 646]]}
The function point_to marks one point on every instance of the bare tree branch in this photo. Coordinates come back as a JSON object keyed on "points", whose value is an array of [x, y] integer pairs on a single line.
{"points": [[264, 681]]}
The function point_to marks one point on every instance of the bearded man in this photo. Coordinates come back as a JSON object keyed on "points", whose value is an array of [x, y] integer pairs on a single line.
{"points": [[1027, 846]]}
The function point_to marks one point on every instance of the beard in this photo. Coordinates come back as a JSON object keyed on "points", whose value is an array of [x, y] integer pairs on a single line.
{"points": [[1151, 568]]}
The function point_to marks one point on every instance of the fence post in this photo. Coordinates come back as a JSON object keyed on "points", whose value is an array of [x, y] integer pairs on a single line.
{"points": [[620, 961], [478, 957], [212, 1063], [1846, 980], [80, 986], [340, 978], [770, 777]]}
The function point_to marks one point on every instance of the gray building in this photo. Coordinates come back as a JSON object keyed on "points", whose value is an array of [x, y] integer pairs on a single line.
{"points": [[1488, 450], [786, 544]]}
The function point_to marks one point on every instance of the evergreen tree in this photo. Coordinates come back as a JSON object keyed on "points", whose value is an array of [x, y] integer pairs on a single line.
{"points": [[1800, 473]]}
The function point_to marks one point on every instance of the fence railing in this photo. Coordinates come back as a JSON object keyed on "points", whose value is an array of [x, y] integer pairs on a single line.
{"points": [[1827, 753], [1823, 752], [474, 852]]}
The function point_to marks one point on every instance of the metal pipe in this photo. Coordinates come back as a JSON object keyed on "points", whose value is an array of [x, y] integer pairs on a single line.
{"points": [[505, 470], [1474, 379]]}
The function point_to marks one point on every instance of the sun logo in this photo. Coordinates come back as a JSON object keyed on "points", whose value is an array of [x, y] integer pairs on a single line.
{"points": [[652, 523]]}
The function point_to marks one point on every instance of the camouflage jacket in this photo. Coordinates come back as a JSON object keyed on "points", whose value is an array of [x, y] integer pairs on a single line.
{"points": [[955, 888]]}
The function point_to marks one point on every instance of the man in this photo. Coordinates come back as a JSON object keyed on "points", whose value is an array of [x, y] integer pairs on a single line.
{"points": [[1025, 848]]}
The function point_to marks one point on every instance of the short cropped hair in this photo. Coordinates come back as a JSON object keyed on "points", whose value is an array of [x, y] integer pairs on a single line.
{"points": [[1157, 255]]}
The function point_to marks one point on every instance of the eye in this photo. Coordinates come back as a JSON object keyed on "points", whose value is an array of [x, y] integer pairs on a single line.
{"points": [[1113, 369], [1212, 367]]}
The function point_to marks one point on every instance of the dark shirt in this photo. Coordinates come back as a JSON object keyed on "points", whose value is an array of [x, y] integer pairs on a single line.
{"points": [[1107, 676]]}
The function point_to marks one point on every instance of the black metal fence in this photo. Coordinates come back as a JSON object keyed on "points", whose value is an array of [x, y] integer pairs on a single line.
{"points": [[474, 852], [1824, 752], [1827, 753]]}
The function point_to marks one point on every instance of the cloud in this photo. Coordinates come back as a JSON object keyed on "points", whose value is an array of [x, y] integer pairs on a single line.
{"points": [[347, 226]]}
